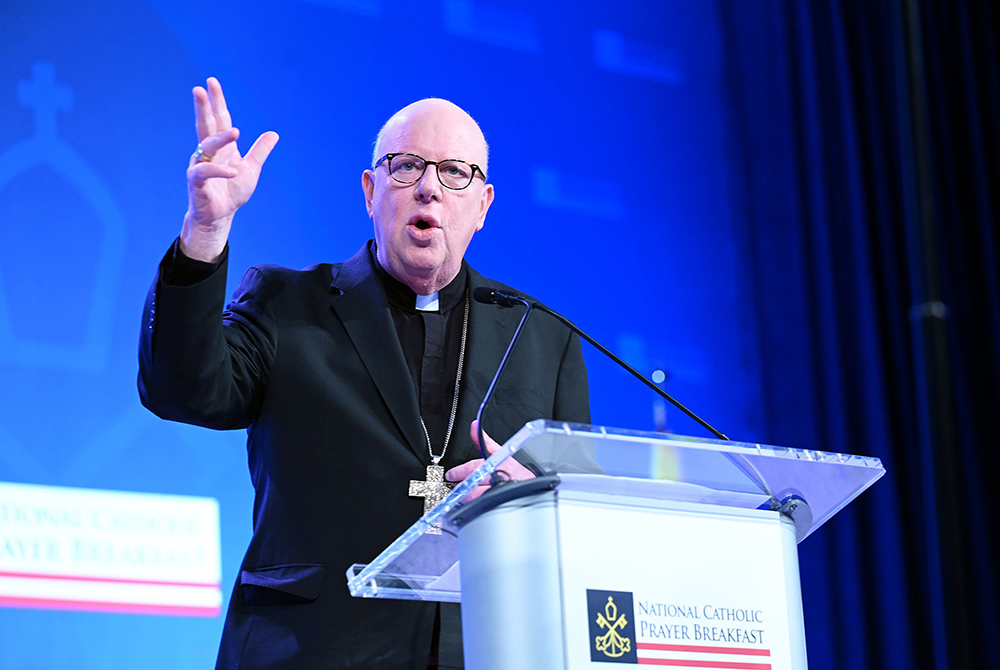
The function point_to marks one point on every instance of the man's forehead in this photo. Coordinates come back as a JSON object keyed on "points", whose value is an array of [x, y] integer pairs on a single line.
{"points": [[433, 126]]}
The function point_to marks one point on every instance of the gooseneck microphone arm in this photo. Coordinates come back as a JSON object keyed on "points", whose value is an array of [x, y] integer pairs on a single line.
{"points": [[483, 294]]}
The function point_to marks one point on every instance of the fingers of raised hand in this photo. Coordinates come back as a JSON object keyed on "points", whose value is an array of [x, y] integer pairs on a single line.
{"points": [[261, 149], [204, 120], [223, 121], [211, 115], [212, 145]]}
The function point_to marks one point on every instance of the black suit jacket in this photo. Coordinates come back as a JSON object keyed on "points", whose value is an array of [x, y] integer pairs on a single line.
{"points": [[309, 362]]}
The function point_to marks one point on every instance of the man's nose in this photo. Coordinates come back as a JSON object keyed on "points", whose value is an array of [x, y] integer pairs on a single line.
{"points": [[429, 186]]}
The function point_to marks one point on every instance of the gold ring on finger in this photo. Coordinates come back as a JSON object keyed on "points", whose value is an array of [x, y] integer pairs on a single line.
{"points": [[200, 156]]}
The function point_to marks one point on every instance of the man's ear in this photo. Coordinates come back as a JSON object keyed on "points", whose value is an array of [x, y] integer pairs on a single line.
{"points": [[368, 186], [484, 205]]}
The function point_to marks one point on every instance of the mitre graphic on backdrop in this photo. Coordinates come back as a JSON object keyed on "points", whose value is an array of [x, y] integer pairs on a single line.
{"points": [[77, 344]]}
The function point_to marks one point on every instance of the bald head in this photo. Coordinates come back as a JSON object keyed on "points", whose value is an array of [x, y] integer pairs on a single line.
{"points": [[450, 125]]}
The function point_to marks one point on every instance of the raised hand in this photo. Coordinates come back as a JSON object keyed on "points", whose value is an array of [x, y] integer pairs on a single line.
{"points": [[219, 179]]}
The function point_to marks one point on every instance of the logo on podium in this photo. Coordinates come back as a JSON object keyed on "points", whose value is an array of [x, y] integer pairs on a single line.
{"points": [[612, 626]]}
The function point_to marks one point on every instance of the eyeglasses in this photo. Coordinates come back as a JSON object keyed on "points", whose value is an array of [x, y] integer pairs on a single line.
{"points": [[409, 168]]}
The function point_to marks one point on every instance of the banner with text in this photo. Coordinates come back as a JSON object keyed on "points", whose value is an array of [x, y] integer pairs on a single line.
{"points": [[86, 549]]}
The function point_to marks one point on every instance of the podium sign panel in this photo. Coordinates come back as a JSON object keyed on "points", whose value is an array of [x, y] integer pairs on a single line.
{"points": [[670, 573], [577, 580]]}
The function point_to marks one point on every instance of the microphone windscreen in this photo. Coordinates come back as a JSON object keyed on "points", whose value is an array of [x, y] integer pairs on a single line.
{"points": [[484, 294]]}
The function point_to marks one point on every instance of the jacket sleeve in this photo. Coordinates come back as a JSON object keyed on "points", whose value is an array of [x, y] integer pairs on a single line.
{"points": [[198, 364]]}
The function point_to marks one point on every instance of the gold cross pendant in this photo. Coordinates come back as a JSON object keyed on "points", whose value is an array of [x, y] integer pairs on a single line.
{"points": [[433, 491]]}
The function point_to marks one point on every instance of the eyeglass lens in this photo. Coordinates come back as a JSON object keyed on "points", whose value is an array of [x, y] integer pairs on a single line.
{"points": [[407, 169]]}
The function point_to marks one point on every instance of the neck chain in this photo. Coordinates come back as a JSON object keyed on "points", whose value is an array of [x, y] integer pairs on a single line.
{"points": [[454, 403]]}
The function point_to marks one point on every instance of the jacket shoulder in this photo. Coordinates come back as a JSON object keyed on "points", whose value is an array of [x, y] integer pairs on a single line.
{"points": [[275, 278]]}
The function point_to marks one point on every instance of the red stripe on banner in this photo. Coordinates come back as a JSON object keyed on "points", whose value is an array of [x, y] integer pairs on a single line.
{"points": [[730, 665], [703, 649], [97, 606], [108, 580]]}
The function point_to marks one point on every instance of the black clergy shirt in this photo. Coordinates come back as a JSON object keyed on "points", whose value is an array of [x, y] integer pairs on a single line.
{"points": [[432, 343]]}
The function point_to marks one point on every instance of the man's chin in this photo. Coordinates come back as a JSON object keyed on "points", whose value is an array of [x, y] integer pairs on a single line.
{"points": [[425, 277], [422, 261]]}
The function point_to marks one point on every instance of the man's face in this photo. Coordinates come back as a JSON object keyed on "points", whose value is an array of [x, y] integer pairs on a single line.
{"points": [[423, 229]]}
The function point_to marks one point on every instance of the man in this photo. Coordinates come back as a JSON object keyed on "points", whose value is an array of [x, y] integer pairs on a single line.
{"points": [[351, 379]]}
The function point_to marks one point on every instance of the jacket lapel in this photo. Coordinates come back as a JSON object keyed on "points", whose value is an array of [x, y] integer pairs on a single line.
{"points": [[358, 298]]}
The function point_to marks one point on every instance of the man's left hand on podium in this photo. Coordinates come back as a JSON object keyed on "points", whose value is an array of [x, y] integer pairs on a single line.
{"points": [[514, 470]]}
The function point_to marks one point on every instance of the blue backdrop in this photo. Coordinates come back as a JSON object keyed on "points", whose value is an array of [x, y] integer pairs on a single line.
{"points": [[621, 202], [609, 156]]}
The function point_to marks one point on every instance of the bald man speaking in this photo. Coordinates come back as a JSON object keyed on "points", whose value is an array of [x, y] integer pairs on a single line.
{"points": [[351, 379]]}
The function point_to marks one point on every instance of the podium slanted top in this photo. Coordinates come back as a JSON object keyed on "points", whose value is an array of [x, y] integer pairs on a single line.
{"points": [[424, 566]]}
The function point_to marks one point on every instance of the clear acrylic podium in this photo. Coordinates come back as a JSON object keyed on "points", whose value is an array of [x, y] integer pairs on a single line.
{"points": [[629, 547]]}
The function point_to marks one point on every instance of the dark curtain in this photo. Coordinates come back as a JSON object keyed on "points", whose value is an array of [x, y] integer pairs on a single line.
{"points": [[867, 155]]}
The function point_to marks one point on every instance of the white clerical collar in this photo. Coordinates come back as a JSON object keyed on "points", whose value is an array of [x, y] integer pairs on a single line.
{"points": [[428, 303]]}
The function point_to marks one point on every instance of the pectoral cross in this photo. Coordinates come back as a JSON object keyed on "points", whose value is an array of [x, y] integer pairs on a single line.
{"points": [[433, 491]]}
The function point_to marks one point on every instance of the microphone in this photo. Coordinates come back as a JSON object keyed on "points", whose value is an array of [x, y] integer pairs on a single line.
{"points": [[491, 296]]}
